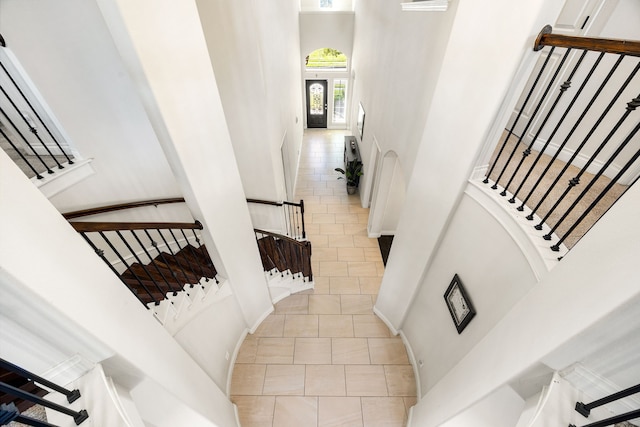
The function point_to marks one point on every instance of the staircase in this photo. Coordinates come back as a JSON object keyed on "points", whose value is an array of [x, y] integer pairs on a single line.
{"points": [[166, 273], [168, 269], [287, 264]]}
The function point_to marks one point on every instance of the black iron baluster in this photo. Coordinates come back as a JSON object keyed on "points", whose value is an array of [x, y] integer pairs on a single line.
{"points": [[582, 144], [6, 137], [613, 420], [517, 119], [99, 251], [560, 122], [308, 251], [36, 113], [304, 233], [203, 251], [135, 236], [195, 257], [585, 409], [164, 260], [563, 88], [193, 272], [32, 128], [72, 395], [532, 118], [78, 417], [25, 140], [297, 219], [144, 267], [613, 181], [288, 210], [184, 273], [132, 272], [631, 106]]}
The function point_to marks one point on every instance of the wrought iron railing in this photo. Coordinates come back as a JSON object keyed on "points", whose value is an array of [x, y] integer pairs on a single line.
{"points": [[593, 115], [291, 217], [585, 409], [153, 259], [283, 254], [12, 391], [35, 152]]}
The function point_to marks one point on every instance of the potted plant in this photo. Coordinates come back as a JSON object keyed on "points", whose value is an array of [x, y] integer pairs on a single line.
{"points": [[352, 174]]}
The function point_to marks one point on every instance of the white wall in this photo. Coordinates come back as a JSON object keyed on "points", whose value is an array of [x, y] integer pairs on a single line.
{"points": [[254, 49], [396, 63], [493, 270], [586, 303], [501, 408], [83, 80], [395, 200], [211, 338], [333, 30], [160, 409]]}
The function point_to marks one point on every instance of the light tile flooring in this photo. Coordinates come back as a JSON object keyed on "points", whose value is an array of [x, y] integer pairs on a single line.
{"points": [[323, 358]]}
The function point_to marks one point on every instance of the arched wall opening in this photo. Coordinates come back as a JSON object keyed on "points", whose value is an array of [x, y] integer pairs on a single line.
{"points": [[388, 196]]}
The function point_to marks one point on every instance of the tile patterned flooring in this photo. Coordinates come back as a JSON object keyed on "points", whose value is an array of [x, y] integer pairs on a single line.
{"points": [[323, 358]]}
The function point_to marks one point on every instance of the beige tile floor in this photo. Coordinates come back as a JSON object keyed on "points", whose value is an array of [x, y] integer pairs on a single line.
{"points": [[323, 358]]}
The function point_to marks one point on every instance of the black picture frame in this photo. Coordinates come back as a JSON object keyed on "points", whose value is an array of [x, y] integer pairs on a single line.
{"points": [[459, 304]]}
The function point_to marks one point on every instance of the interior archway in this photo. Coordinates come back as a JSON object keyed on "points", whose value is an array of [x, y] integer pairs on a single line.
{"points": [[388, 197]]}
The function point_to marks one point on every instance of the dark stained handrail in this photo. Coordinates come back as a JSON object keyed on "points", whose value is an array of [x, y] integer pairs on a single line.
{"points": [[293, 215], [619, 46], [302, 243], [88, 227], [121, 206], [264, 202], [153, 202]]}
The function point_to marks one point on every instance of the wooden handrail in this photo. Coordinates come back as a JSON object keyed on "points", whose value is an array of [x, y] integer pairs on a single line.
{"points": [[88, 227], [268, 202], [264, 202], [154, 202], [121, 206], [280, 236], [626, 47]]}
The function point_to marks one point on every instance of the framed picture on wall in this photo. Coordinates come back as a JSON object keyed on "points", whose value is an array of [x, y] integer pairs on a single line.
{"points": [[360, 122], [459, 304]]}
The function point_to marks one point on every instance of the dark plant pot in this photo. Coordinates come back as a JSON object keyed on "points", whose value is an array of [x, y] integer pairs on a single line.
{"points": [[351, 189]]}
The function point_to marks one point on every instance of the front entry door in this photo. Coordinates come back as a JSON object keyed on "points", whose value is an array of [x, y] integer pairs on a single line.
{"points": [[316, 103]]}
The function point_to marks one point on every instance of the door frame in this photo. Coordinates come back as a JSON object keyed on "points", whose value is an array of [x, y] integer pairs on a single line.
{"points": [[325, 85]]}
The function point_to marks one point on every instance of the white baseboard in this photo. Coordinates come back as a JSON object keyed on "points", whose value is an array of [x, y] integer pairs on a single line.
{"points": [[53, 184], [414, 363], [232, 364], [261, 319], [386, 321], [581, 160]]}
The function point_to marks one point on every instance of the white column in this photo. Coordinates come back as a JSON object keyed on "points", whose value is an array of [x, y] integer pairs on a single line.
{"points": [[484, 51], [165, 51]]}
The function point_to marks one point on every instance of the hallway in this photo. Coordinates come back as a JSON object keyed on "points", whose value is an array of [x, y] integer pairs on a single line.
{"points": [[322, 358]]}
